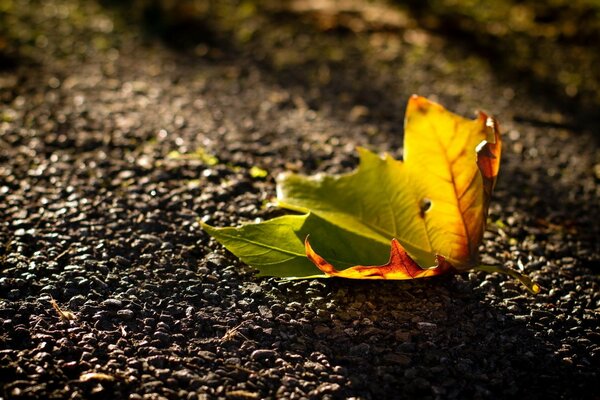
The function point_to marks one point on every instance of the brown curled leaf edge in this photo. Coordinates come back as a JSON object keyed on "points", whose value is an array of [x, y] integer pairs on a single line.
{"points": [[400, 266]]}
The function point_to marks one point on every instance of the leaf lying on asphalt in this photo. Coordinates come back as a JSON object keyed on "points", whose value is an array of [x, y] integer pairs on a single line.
{"points": [[432, 207]]}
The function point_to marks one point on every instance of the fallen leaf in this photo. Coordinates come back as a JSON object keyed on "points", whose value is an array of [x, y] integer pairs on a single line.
{"points": [[432, 207]]}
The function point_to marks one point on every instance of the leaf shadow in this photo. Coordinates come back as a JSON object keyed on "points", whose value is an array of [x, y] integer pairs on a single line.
{"points": [[429, 338]]}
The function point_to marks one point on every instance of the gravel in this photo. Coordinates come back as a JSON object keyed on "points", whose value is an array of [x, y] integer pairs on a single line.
{"points": [[98, 214]]}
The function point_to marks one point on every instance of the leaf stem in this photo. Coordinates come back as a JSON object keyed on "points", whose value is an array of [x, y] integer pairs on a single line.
{"points": [[524, 279]]}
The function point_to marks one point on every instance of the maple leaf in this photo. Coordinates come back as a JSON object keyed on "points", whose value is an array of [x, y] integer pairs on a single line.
{"points": [[432, 207]]}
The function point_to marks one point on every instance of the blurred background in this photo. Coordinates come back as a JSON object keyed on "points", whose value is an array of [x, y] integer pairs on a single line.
{"points": [[548, 48]]}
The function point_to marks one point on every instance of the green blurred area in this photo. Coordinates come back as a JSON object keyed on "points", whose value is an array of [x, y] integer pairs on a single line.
{"points": [[554, 42], [551, 46]]}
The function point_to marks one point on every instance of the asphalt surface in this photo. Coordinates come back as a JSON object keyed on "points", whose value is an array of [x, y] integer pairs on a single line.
{"points": [[115, 140]]}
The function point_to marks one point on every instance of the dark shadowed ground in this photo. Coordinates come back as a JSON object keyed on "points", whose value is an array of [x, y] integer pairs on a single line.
{"points": [[99, 211]]}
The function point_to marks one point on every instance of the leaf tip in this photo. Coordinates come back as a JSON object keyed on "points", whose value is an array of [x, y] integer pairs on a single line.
{"points": [[417, 103], [203, 224]]}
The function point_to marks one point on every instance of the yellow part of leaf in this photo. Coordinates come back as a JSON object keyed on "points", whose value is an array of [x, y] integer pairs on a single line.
{"points": [[441, 159]]}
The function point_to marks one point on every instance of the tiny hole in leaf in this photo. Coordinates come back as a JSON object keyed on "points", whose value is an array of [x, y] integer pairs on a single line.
{"points": [[424, 205]]}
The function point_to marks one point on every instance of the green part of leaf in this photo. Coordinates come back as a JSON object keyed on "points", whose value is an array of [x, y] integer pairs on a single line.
{"points": [[386, 208], [276, 247], [524, 279]]}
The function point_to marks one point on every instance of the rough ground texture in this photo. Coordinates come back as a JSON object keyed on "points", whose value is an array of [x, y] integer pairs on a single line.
{"points": [[96, 214]]}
